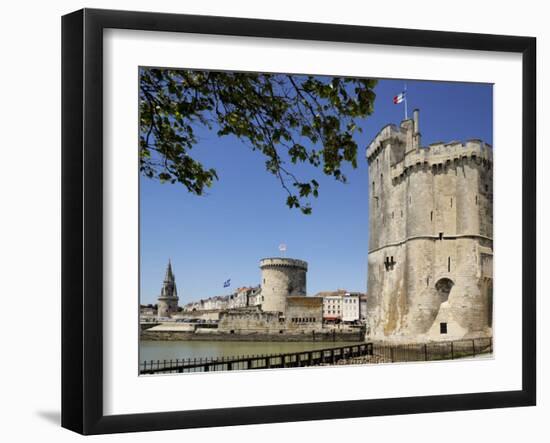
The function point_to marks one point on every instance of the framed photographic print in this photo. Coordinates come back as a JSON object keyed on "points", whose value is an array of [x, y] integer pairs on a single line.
{"points": [[269, 221]]}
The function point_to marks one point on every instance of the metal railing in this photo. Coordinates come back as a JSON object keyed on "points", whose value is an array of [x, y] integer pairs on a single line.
{"points": [[447, 350], [244, 362], [351, 354]]}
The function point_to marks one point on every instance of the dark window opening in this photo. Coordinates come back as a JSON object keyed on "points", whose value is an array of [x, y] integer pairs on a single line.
{"points": [[442, 328], [486, 188], [389, 263], [232, 331], [441, 236], [449, 264], [476, 199], [401, 214], [280, 331], [391, 214], [373, 187], [451, 202], [432, 216], [427, 281]]}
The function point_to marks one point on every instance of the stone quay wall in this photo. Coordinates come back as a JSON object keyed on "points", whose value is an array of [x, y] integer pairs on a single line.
{"points": [[311, 336]]}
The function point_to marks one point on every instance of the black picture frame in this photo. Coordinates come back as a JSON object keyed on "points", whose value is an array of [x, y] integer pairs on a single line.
{"points": [[82, 218]]}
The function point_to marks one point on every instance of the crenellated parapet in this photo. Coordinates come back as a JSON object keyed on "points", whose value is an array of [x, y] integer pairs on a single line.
{"points": [[283, 262], [441, 156]]}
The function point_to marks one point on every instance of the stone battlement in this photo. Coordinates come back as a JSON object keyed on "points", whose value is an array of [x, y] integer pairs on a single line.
{"points": [[439, 156], [388, 133], [280, 261], [435, 152]]}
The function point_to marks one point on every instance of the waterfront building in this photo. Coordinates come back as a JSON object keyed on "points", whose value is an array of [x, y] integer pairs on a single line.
{"points": [[332, 308], [341, 305], [350, 307]]}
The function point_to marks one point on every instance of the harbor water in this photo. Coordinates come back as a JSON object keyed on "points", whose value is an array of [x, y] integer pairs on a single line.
{"points": [[166, 350]]}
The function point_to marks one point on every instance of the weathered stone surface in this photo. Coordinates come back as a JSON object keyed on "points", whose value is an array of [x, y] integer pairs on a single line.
{"points": [[430, 237]]}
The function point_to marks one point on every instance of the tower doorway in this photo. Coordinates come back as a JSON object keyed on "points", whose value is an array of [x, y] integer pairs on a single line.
{"points": [[443, 287]]}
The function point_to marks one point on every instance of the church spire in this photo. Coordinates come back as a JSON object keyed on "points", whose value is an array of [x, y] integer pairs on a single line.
{"points": [[169, 276], [169, 285]]}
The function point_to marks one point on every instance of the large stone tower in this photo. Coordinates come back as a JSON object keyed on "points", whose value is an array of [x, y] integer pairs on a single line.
{"points": [[430, 237], [281, 278], [168, 299]]}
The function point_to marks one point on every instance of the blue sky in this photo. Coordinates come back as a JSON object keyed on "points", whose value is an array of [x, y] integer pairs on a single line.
{"points": [[244, 218]]}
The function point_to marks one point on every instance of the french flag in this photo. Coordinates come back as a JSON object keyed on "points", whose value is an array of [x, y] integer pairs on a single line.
{"points": [[399, 98]]}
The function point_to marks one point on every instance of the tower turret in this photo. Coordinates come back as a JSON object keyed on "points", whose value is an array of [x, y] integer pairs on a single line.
{"points": [[168, 299], [282, 278]]}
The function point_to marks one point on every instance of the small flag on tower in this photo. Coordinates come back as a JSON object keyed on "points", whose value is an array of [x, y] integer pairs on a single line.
{"points": [[399, 98], [227, 283]]}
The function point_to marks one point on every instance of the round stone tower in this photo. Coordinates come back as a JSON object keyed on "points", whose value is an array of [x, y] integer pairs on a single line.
{"points": [[168, 299], [281, 277]]}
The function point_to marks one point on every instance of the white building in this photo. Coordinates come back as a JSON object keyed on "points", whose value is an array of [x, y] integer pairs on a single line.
{"points": [[215, 303], [241, 298], [332, 308], [341, 305], [350, 307]]}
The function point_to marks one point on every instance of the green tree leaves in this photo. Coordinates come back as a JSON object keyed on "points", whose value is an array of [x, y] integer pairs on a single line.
{"points": [[291, 119]]}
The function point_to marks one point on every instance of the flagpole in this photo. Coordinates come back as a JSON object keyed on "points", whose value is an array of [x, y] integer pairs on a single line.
{"points": [[406, 114]]}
